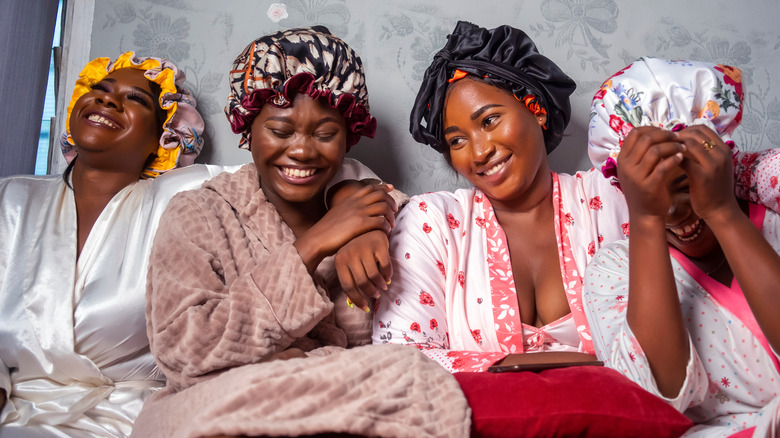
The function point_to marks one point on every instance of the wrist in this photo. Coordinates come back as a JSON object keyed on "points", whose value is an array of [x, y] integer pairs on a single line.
{"points": [[647, 223], [310, 254], [725, 216]]}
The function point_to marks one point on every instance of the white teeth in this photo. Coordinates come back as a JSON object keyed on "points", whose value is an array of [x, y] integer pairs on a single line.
{"points": [[100, 119], [298, 173], [494, 169], [684, 233]]}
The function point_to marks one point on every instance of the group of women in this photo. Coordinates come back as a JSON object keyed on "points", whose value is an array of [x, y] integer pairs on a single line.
{"points": [[206, 301]]}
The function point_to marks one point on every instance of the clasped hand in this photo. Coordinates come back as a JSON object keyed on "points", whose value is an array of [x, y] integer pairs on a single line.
{"points": [[356, 229], [653, 160]]}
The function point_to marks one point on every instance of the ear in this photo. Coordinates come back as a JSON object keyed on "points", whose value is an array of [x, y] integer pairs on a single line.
{"points": [[541, 118]]}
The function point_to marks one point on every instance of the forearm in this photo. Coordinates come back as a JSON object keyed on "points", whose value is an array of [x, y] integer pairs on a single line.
{"points": [[755, 265], [653, 313]]}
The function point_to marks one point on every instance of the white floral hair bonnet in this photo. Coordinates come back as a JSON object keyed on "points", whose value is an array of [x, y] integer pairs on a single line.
{"points": [[667, 94]]}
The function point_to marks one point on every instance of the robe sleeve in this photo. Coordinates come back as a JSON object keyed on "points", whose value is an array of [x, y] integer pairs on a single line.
{"points": [[5, 381], [606, 301], [756, 177], [413, 311], [7, 225], [197, 323], [352, 169]]}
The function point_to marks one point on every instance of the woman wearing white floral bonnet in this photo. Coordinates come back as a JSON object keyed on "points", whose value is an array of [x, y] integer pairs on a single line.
{"points": [[688, 310]]}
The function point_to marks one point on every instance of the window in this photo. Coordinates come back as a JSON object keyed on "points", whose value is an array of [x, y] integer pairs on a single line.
{"points": [[42, 158]]}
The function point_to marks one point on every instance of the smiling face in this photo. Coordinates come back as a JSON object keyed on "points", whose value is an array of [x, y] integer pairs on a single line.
{"points": [[495, 142], [298, 149], [684, 229], [116, 125]]}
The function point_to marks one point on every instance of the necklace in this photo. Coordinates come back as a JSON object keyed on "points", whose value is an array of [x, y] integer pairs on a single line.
{"points": [[722, 260]]}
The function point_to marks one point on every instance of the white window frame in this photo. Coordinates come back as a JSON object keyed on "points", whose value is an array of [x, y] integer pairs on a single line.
{"points": [[74, 55]]}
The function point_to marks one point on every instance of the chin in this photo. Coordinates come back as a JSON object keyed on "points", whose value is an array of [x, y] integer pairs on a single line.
{"points": [[301, 196]]}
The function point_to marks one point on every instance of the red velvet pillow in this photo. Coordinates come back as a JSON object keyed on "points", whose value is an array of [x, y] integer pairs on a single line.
{"points": [[584, 401]]}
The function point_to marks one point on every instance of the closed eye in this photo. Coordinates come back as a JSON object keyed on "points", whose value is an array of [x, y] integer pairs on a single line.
{"points": [[325, 136], [140, 98], [100, 86], [280, 133]]}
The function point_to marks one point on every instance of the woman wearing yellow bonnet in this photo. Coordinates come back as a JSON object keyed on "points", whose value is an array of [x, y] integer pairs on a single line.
{"points": [[74, 356]]}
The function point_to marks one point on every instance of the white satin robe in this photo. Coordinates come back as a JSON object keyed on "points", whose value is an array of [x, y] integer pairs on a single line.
{"points": [[74, 356]]}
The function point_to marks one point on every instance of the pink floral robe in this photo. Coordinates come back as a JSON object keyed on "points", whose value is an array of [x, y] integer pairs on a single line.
{"points": [[732, 377], [453, 294]]}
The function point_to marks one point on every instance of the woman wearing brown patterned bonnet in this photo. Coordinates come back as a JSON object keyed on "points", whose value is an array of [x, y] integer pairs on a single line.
{"points": [[245, 317]]}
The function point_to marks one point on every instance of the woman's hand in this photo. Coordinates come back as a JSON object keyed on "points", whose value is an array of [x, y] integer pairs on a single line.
{"points": [[710, 173], [648, 159], [365, 209], [364, 268]]}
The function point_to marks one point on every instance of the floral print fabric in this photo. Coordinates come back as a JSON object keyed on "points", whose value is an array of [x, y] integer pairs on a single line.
{"points": [[732, 379], [453, 293], [673, 95]]}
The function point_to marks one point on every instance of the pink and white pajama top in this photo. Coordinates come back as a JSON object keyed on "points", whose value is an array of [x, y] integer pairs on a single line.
{"points": [[732, 379], [453, 294]]}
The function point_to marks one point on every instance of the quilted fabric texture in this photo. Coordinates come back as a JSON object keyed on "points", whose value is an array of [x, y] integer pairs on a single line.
{"points": [[228, 295]]}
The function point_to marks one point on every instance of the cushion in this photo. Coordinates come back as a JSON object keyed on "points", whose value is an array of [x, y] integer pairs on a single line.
{"points": [[582, 401]]}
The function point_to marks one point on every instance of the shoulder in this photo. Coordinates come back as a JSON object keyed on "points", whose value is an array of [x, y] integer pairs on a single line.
{"points": [[589, 181], [225, 189], [612, 257], [22, 187], [187, 178], [444, 201]]}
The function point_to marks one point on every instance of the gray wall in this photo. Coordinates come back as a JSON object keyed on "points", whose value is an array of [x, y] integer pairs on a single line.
{"points": [[590, 39]]}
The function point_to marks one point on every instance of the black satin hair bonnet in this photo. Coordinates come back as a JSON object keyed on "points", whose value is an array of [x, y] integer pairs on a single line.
{"points": [[505, 54]]}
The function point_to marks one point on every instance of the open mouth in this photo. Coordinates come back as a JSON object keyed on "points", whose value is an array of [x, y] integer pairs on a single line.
{"points": [[688, 232], [97, 118], [294, 172]]}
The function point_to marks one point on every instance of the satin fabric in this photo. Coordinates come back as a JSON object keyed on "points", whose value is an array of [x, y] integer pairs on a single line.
{"points": [[666, 94], [504, 54], [73, 346]]}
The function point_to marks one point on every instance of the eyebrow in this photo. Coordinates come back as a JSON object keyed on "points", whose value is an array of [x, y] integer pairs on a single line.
{"points": [[473, 116], [479, 112], [139, 89], [319, 122]]}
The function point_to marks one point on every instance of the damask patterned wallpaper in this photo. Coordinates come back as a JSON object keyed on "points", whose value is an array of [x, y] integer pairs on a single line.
{"points": [[589, 39]]}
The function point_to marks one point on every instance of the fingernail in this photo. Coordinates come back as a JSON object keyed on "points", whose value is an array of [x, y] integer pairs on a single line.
{"points": [[366, 309], [388, 282], [350, 304]]}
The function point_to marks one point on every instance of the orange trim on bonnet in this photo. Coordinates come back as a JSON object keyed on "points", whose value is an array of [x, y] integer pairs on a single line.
{"points": [[457, 74]]}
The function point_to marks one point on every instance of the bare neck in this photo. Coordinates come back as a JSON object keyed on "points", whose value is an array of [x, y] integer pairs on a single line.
{"points": [[535, 206], [93, 189]]}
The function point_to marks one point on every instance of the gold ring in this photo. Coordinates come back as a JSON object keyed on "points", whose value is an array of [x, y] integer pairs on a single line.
{"points": [[708, 145]]}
